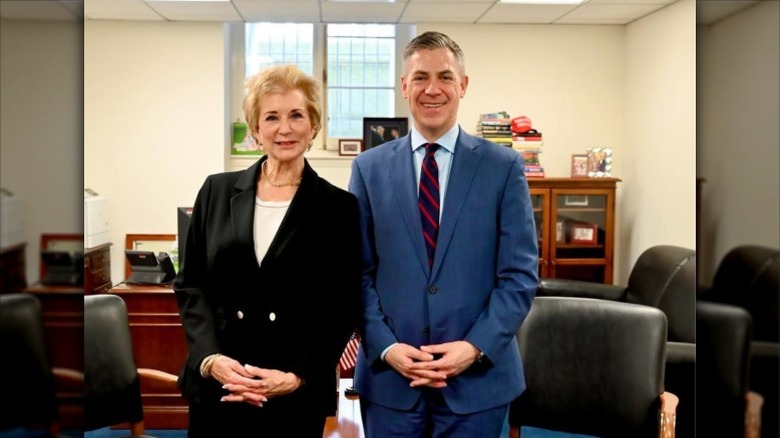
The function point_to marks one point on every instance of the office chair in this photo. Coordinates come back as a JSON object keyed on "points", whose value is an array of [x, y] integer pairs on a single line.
{"points": [[725, 406], [29, 386], [112, 381], [593, 367], [664, 277]]}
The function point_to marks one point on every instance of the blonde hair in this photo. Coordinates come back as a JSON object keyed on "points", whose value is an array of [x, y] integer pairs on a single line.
{"points": [[282, 79]]}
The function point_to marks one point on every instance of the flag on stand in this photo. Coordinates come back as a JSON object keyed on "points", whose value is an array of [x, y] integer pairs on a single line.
{"points": [[349, 357]]}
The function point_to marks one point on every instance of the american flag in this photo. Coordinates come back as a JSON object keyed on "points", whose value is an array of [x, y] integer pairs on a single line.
{"points": [[349, 357]]}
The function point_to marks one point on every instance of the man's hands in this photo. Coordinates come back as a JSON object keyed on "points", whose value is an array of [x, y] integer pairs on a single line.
{"points": [[423, 369], [251, 384]]}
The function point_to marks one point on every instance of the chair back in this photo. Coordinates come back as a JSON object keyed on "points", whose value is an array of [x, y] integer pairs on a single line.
{"points": [[112, 386], [29, 394], [722, 355], [664, 277], [592, 367]]}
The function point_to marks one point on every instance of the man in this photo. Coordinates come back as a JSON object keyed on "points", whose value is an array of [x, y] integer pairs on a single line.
{"points": [[449, 275], [377, 136]]}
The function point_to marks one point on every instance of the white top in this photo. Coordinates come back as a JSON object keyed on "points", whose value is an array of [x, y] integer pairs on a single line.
{"points": [[268, 219]]}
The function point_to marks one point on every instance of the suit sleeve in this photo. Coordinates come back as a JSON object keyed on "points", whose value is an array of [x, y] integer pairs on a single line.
{"points": [[516, 269], [194, 308], [376, 334]]}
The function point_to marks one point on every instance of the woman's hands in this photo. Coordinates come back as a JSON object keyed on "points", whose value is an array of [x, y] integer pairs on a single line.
{"points": [[251, 384]]}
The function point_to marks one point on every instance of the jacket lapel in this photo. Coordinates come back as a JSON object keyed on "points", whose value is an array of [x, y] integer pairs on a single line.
{"points": [[464, 167], [401, 173], [242, 208]]}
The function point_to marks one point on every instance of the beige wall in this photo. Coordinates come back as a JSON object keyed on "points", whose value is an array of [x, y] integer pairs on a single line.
{"points": [[738, 134], [41, 125], [155, 126], [657, 198]]}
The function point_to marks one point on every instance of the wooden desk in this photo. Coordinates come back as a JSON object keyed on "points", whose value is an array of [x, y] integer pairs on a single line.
{"points": [[347, 423], [158, 343], [63, 324]]}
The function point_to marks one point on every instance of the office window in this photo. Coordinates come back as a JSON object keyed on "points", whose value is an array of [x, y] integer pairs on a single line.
{"points": [[361, 76], [360, 66]]}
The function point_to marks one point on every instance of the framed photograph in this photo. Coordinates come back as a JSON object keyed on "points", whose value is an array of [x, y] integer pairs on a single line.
{"points": [[599, 162], [575, 200], [584, 233], [579, 165], [377, 130], [350, 147]]}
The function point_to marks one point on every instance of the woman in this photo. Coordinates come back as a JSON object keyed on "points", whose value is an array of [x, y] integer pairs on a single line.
{"points": [[269, 288]]}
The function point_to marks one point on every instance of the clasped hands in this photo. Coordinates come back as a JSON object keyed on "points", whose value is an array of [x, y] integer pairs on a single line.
{"points": [[424, 369], [250, 384]]}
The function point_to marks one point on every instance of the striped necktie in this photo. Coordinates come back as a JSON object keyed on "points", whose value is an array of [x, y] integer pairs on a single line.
{"points": [[428, 200]]}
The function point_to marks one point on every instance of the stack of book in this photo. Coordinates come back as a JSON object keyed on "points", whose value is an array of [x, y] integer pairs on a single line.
{"points": [[529, 144], [495, 127]]}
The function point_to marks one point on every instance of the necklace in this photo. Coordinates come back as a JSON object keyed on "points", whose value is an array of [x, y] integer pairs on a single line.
{"points": [[276, 184]]}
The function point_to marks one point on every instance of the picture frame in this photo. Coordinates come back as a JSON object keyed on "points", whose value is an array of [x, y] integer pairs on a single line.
{"points": [[583, 233], [350, 147], [599, 162], [575, 200], [378, 130], [579, 165]]}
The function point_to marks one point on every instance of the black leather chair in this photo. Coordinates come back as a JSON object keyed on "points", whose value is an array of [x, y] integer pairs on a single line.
{"points": [[593, 367], [112, 381], [725, 407], [29, 387], [748, 277], [663, 277]]}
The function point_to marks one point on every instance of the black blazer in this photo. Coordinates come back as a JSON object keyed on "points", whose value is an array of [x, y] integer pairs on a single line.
{"points": [[294, 312]]}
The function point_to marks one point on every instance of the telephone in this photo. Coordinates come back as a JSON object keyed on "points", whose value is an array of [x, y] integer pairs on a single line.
{"points": [[148, 268]]}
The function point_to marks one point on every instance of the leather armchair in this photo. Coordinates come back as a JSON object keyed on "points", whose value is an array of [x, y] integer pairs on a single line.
{"points": [[593, 367], [112, 381], [748, 277], [663, 277]]}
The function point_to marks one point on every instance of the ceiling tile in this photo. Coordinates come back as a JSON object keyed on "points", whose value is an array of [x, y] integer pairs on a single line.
{"points": [[279, 11], [608, 14], [361, 12], [38, 10], [444, 12], [119, 10], [530, 14], [196, 11]]}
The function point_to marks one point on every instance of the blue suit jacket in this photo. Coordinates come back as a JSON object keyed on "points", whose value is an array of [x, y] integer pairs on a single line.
{"points": [[483, 279]]}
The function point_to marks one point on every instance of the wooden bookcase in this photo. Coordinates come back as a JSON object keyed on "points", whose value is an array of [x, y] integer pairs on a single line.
{"points": [[575, 224]]}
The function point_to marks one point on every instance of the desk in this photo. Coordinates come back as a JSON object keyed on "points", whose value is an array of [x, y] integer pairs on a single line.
{"points": [[63, 324], [158, 343], [347, 423]]}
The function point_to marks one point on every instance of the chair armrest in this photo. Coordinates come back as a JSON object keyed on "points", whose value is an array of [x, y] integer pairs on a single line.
{"points": [[764, 349], [154, 381], [669, 403], [558, 287], [753, 404], [680, 352], [68, 376]]}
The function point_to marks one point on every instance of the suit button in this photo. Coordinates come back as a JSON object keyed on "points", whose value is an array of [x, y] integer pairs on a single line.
{"points": [[240, 315], [433, 289], [272, 316], [426, 330]]}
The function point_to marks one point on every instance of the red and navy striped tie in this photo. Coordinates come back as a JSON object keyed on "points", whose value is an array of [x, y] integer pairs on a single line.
{"points": [[428, 200]]}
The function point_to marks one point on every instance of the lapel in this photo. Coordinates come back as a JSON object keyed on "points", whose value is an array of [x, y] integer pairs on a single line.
{"points": [[242, 206], [464, 167], [403, 181]]}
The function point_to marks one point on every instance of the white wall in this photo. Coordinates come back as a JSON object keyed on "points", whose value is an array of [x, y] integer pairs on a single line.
{"points": [[41, 125], [155, 126], [582, 86], [657, 202], [738, 133]]}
